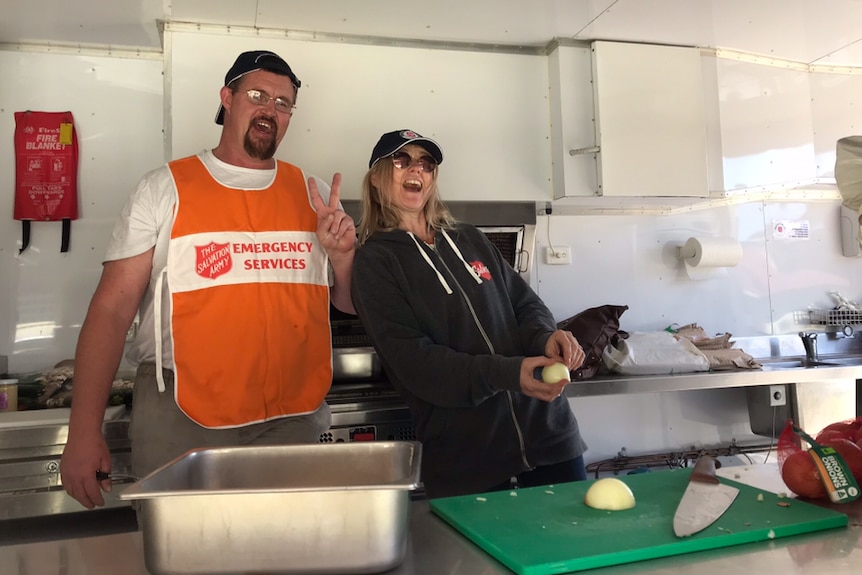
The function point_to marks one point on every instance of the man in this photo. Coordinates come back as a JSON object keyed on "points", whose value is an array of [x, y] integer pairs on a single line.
{"points": [[228, 256]]}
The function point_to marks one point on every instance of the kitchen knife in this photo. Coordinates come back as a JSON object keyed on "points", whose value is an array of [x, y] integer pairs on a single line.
{"points": [[705, 499]]}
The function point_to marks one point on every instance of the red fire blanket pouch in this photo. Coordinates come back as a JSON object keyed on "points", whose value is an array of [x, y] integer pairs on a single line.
{"points": [[46, 171]]}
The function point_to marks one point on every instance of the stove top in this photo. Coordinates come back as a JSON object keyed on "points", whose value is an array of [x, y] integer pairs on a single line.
{"points": [[348, 332]]}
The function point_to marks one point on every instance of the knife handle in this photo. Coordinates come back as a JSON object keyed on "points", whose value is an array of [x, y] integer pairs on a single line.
{"points": [[704, 470]]}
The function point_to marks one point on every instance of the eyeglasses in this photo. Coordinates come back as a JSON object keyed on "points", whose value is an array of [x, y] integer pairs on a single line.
{"points": [[402, 161], [259, 98]]}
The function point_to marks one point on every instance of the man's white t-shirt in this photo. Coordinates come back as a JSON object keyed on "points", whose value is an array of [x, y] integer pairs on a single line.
{"points": [[146, 221]]}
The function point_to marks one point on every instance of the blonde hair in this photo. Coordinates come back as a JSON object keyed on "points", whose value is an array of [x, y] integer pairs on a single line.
{"points": [[380, 215]]}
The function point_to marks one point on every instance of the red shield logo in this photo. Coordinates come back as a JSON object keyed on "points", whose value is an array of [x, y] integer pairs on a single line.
{"points": [[213, 260], [481, 270]]}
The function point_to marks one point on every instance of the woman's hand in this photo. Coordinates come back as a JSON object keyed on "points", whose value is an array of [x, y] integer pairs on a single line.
{"points": [[535, 387], [563, 347]]}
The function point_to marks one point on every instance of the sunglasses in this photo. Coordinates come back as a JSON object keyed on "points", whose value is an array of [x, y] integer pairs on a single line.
{"points": [[402, 161]]}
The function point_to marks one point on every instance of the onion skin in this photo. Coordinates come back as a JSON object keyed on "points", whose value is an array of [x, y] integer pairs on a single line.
{"points": [[801, 477], [800, 474], [850, 453]]}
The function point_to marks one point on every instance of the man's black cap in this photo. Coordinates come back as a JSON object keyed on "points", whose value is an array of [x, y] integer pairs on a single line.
{"points": [[251, 62]]}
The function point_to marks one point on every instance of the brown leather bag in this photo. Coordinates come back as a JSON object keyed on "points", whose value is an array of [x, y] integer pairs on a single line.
{"points": [[594, 328]]}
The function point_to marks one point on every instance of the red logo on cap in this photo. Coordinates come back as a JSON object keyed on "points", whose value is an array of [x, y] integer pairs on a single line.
{"points": [[481, 270], [213, 260], [410, 135]]}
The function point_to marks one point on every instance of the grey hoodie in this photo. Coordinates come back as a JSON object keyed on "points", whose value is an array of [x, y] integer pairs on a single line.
{"points": [[451, 324]]}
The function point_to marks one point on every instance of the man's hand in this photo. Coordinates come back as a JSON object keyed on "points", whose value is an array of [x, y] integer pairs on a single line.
{"points": [[563, 347], [335, 229], [78, 466]]}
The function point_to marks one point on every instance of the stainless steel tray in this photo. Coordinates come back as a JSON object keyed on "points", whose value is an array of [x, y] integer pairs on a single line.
{"points": [[281, 509]]}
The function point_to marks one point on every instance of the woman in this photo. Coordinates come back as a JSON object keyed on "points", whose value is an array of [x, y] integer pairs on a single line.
{"points": [[460, 334]]}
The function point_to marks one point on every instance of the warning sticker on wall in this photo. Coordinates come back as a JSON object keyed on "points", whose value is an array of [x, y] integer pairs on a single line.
{"points": [[790, 229]]}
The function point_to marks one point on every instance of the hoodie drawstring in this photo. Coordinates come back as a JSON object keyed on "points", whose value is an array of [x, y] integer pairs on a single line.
{"points": [[455, 249], [440, 277]]}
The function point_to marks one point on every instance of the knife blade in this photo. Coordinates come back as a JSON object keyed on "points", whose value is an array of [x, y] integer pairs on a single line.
{"points": [[705, 499]]}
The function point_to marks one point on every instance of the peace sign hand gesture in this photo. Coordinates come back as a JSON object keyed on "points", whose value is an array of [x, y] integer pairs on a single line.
{"points": [[335, 229]]}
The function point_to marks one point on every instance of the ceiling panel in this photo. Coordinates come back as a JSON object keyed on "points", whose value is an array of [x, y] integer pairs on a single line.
{"points": [[681, 22], [511, 22], [821, 31], [799, 30], [774, 28], [836, 39], [228, 12], [848, 56], [106, 22]]}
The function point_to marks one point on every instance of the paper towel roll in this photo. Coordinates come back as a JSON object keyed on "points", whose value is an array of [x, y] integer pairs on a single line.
{"points": [[711, 252]]}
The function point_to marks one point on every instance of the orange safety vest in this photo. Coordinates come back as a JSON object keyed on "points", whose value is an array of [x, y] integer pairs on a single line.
{"points": [[249, 299]]}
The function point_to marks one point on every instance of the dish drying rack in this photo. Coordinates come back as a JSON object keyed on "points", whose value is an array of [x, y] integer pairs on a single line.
{"points": [[844, 318]]}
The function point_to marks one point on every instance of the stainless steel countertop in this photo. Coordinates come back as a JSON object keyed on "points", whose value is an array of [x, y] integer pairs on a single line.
{"points": [[434, 548], [621, 384], [764, 348]]}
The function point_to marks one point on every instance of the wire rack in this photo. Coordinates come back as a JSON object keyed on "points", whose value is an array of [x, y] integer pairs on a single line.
{"points": [[840, 317]]}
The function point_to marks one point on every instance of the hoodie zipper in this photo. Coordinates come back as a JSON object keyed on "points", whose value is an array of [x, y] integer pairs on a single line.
{"points": [[509, 400]]}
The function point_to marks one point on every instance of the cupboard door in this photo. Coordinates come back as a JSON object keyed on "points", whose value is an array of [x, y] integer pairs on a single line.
{"points": [[650, 120]]}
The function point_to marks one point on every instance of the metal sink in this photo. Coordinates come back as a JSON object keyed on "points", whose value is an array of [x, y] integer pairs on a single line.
{"points": [[808, 364], [845, 361], [799, 364]]}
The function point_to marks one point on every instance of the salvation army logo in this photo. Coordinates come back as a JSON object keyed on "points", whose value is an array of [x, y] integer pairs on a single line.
{"points": [[212, 260], [481, 270]]}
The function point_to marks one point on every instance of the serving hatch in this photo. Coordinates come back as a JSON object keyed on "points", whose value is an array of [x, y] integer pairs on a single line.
{"points": [[279, 509]]}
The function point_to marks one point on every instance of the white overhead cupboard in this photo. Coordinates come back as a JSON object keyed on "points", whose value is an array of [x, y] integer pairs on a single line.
{"points": [[632, 114], [641, 120], [650, 120]]}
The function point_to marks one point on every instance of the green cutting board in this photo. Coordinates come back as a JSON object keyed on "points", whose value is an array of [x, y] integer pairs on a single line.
{"points": [[549, 530]]}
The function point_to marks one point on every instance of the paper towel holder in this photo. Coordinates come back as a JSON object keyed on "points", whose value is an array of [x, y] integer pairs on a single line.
{"points": [[684, 252], [690, 252]]}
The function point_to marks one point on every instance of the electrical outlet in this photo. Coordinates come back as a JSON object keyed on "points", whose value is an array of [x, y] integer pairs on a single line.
{"points": [[558, 255], [777, 395]]}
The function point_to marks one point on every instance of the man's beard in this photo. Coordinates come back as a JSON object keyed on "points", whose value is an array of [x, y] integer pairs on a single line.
{"points": [[260, 148]]}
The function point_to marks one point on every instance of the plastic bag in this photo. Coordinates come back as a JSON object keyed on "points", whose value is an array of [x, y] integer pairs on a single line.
{"points": [[647, 353], [818, 477], [593, 328]]}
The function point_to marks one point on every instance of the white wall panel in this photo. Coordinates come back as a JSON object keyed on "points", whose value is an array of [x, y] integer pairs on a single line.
{"points": [[836, 102], [117, 106], [766, 125], [803, 272], [488, 111], [654, 422], [631, 260]]}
